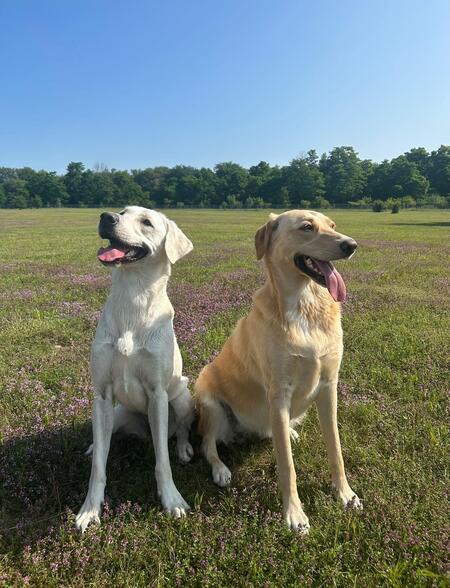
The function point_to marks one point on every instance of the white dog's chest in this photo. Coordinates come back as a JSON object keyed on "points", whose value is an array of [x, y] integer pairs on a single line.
{"points": [[127, 382], [136, 371]]}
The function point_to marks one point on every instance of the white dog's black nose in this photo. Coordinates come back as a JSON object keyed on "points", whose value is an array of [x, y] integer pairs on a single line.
{"points": [[109, 218], [348, 246]]}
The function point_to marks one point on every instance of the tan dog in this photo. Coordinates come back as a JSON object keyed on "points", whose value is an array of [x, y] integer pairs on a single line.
{"points": [[284, 355]]}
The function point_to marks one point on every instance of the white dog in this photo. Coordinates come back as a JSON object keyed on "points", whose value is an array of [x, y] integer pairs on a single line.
{"points": [[135, 358]]}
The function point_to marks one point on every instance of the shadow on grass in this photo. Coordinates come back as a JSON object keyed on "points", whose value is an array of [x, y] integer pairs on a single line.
{"points": [[45, 478], [434, 224]]}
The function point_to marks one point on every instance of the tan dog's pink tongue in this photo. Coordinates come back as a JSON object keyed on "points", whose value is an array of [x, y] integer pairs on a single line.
{"points": [[335, 283], [110, 254]]}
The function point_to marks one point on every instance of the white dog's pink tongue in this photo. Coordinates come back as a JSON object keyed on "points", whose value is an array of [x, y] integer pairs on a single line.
{"points": [[110, 253], [335, 283]]}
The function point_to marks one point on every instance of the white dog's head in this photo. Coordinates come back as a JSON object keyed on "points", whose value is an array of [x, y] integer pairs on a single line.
{"points": [[138, 233]]}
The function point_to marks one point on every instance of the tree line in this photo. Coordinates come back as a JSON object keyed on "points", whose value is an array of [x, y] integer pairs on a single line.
{"points": [[339, 179]]}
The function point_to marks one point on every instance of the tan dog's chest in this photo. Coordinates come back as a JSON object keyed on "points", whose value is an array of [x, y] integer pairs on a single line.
{"points": [[305, 376], [313, 334]]}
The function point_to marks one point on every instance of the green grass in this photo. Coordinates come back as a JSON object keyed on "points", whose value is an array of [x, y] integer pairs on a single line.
{"points": [[393, 401]]}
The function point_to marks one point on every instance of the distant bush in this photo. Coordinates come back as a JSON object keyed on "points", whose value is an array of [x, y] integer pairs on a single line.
{"points": [[365, 202], [408, 202], [395, 208], [320, 202], [379, 206]]}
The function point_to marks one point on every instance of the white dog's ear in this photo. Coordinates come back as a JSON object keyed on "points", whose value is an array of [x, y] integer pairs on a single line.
{"points": [[263, 236], [177, 244]]}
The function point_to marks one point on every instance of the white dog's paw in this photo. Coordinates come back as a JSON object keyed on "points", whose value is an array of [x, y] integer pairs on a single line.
{"points": [[349, 499], [89, 450], [173, 503], [221, 475], [185, 452], [296, 519], [89, 513], [294, 435]]}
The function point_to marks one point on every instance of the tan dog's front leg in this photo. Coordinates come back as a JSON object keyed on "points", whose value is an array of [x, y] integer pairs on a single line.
{"points": [[293, 513], [326, 402]]}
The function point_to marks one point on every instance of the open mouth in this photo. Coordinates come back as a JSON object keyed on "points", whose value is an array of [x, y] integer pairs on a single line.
{"points": [[119, 252], [323, 273]]}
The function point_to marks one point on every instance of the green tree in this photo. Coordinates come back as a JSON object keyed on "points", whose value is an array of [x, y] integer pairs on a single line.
{"points": [[97, 189], [406, 179], [280, 198], [232, 180], [233, 202], [75, 184], [439, 170], [16, 194], [304, 179], [48, 189], [344, 175], [379, 183], [421, 157], [126, 190]]}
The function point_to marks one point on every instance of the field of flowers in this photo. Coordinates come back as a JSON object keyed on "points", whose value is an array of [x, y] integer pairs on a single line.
{"points": [[393, 416]]}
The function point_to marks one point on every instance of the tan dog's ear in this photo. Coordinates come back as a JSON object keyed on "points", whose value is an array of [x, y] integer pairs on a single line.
{"points": [[263, 236], [177, 245]]}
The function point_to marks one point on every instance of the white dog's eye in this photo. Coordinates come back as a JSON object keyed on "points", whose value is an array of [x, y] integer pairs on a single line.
{"points": [[147, 223], [307, 227]]}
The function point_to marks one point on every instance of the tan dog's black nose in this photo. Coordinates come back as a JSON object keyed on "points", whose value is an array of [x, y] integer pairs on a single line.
{"points": [[348, 246]]}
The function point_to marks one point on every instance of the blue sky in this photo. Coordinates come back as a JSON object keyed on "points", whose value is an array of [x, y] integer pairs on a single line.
{"points": [[141, 83]]}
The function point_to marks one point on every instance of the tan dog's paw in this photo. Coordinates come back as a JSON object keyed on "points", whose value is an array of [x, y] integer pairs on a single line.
{"points": [[185, 452], [294, 435], [354, 502], [296, 519], [221, 475], [349, 499]]}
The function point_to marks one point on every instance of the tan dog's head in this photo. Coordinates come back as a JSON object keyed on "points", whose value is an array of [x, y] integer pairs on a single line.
{"points": [[306, 241], [137, 234]]}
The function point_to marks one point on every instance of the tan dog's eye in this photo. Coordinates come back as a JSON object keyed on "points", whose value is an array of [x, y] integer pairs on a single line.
{"points": [[307, 227], [147, 223]]}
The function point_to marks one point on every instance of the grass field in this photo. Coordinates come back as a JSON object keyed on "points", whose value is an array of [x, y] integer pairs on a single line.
{"points": [[393, 419]]}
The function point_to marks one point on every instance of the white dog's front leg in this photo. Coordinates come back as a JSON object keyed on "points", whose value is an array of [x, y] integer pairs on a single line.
{"points": [[102, 425], [158, 416]]}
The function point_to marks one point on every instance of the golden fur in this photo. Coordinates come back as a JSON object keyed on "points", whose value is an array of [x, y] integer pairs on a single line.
{"points": [[280, 358]]}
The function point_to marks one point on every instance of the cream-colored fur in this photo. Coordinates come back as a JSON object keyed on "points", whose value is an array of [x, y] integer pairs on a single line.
{"points": [[135, 359], [280, 358]]}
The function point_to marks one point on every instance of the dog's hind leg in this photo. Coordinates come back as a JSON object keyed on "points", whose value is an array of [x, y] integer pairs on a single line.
{"points": [[183, 408], [131, 423], [214, 426], [128, 422]]}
